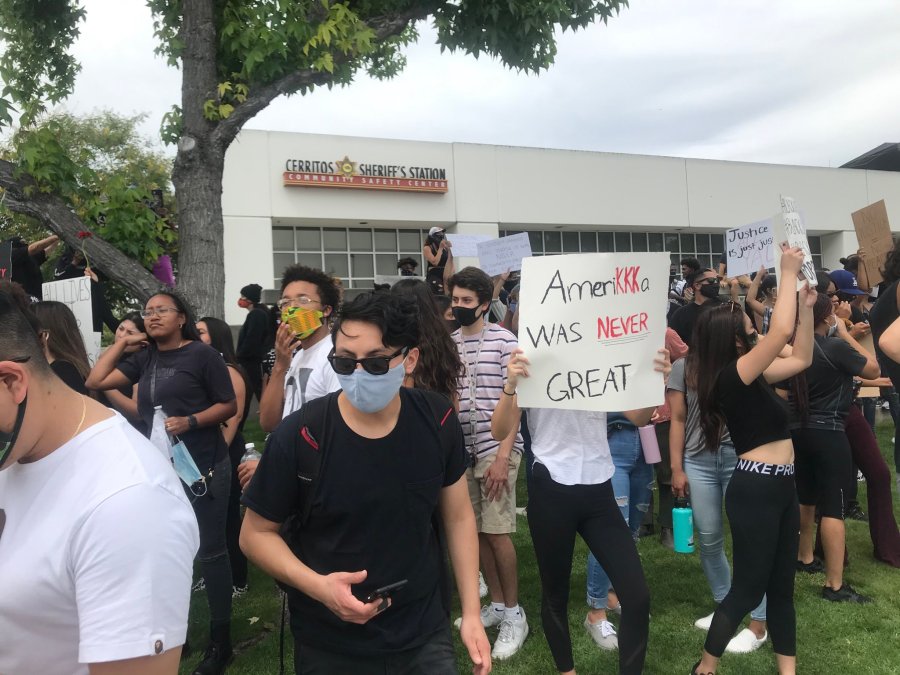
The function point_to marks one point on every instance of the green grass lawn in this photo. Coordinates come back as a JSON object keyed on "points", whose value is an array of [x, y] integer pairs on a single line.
{"points": [[830, 638]]}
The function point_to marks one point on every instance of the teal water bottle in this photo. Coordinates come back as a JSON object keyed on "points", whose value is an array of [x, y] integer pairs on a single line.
{"points": [[683, 526]]}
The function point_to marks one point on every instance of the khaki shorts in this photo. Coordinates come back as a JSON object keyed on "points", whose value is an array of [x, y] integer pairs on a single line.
{"points": [[499, 516]]}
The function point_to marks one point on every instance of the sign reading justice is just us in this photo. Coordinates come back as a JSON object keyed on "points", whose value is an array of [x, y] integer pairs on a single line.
{"points": [[591, 325]]}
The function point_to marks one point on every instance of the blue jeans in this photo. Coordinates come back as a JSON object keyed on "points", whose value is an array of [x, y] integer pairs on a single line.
{"points": [[632, 484], [708, 475]]}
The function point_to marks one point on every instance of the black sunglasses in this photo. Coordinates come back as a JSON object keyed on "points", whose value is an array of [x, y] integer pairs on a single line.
{"points": [[375, 365], [710, 280]]}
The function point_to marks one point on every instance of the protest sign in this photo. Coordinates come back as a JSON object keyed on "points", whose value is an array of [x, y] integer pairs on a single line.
{"points": [[466, 245], [497, 256], [76, 294], [749, 247], [591, 325], [873, 231], [6, 260], [795, 232]]}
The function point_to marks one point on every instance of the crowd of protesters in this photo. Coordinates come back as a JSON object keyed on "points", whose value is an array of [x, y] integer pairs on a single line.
{"points": [[395, 440]]}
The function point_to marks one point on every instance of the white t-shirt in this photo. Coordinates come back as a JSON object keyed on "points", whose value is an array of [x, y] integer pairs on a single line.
{"points": [[97, 554], [572, 444], [309, 376]]}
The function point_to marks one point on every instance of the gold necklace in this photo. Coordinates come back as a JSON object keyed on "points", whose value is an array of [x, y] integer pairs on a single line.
{"points": [[83, 415]]}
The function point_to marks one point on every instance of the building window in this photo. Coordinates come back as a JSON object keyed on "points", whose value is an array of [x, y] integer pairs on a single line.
{"points": [[354, 254]]}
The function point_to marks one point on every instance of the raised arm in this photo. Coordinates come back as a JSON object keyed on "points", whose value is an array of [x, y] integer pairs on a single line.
{"points": [[802, 353], [104, 375], [753, 292], [507, 413], [755, 362]]}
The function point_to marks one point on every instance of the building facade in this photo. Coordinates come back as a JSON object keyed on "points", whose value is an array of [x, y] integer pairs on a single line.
{"points": [[353, 206]]}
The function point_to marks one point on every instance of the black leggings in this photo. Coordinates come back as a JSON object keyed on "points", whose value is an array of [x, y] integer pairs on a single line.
{"points": [[556, 513], [765, 531]]}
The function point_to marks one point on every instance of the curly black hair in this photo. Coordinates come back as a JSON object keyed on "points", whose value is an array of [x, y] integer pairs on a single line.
{"points": [[329, 292], [394, 315]]}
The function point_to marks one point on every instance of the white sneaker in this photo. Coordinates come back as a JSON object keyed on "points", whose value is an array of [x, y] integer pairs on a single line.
{"points": [[482, 586], [746, 642], [705, 622], [489, 618], [603, 633], [512, 635]]}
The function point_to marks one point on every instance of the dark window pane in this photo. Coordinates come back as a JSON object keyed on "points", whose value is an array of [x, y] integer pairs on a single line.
{"points": [[385, 240], [537, 242], [335, 240], [310, 260], [676, 260], [309, 239], [588, 241], [283, 238], [671, 243], [717, 243], [605, 242], [687, 243], [411, 241], [552, 242], [360, 240], [639, 241], [282, 260], [362, 264], [655, 241], [703, 243], [815, 245], [570, 242], [707, 261], [337, 265], [387, 264], [623, 242]]}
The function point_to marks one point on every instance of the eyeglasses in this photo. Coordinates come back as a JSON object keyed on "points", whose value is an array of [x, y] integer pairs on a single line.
{"points": [[374, 365], [709, 280], [157, 311], [300, 301]]}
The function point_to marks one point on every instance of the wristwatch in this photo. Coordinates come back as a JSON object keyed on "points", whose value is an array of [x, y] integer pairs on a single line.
{"points": [[192, 422]]}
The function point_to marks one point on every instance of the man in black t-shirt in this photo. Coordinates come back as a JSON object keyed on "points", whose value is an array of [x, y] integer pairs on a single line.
{"points": [[363, 511], [705, 285], [254, 338]]}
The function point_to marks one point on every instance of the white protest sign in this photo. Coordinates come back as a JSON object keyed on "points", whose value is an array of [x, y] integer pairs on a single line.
{"points": [[750, 247], [795, 231], [76, 294], [466, 245], [591, 325], [497, 256]]}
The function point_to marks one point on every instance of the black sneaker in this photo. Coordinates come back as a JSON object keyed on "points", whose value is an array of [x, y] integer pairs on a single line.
{"points": [[844, 594], [215, 659], [854, 512], [814, 567]]}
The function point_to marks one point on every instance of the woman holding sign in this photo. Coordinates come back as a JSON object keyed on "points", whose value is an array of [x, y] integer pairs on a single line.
{"points": [[761, 500], [571, 493]]}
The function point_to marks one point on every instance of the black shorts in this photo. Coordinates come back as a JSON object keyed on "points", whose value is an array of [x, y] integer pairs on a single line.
{"points": [[823, 461]]}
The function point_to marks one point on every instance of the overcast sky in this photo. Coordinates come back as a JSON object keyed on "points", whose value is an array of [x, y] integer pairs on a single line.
{"points": [[812, 82]]}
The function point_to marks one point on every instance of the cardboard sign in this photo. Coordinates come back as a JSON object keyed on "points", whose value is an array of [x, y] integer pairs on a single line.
{"points": [[750, 247], [76, 293], [466, 245], [795, 231], [591, 325], [6, 260], [497, 256], [874, 234]]}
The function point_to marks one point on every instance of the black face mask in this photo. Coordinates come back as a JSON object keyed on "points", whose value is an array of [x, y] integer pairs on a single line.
{"points": [[466, 315], [709, 291], [452, 325], [7, 441]]}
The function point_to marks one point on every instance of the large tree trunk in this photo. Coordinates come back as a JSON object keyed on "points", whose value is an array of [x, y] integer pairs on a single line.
{"points": [[199, 165]]}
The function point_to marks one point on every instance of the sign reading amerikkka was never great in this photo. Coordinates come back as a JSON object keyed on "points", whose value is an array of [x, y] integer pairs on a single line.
{"points": [[591, 325]]}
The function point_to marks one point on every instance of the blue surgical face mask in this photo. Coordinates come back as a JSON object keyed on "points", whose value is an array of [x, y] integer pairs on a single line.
{"points": [[370, 393], [512, 306]]}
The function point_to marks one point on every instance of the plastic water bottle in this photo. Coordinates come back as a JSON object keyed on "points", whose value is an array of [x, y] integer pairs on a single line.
{"points": [[250, 453], [683, 526]]}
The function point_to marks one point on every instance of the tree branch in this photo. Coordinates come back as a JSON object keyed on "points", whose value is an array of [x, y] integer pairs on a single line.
{"points": [[54, 214], [259, 98]]}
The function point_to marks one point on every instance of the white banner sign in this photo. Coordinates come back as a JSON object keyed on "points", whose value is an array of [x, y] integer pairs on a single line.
{"points": [[466, 245], [497, 256], [591, 325], [750, 247], [76, 293], [795, 231]]}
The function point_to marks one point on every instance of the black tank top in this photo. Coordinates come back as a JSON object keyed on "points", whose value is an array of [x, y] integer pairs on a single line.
{"points": [[883, 314], [754, 413]]}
